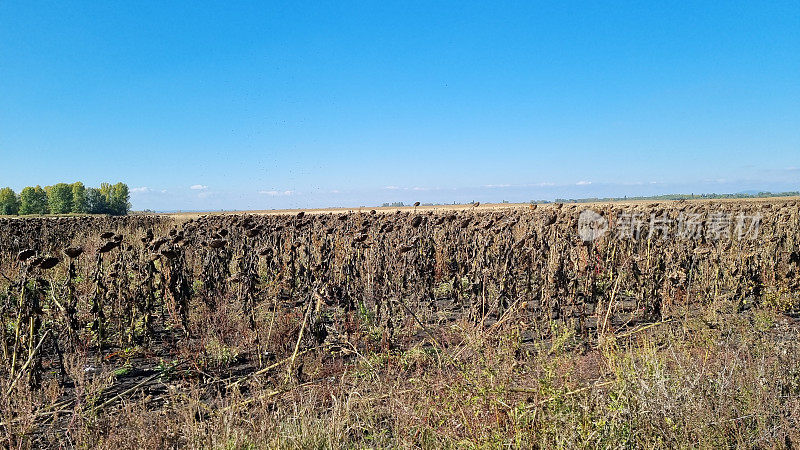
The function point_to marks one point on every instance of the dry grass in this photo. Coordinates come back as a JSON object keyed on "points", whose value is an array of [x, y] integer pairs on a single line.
{"points": [[673, 385]]}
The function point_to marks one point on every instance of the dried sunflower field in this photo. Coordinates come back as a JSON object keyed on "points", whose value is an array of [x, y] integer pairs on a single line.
{"points": [[415, 328]]}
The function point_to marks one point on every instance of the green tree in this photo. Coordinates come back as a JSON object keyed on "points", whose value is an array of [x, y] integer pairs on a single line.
{"points": [[78, 197], [118, 201], [9, 204], [59, 198], [96, 202], [105, 190], [33, 200]]}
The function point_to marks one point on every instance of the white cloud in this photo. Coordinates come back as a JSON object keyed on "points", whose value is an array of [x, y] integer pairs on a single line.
{"points": [[415, 188], [147, 190], [507, 185], [198, 187], [275, 193], [583, 183]]}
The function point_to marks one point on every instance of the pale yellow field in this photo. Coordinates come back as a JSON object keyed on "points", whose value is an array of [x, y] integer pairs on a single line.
{"points": [[469, 207]]}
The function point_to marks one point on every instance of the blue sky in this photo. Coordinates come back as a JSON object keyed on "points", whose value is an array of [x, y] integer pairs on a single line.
{"points": [[258, 105]]}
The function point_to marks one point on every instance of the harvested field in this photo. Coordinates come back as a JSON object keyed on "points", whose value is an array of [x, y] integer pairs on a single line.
{"points": [[421, 327]]}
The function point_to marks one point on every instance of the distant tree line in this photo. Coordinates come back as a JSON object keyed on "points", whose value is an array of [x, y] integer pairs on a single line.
{"points": [[63, 198], [673, 197]]}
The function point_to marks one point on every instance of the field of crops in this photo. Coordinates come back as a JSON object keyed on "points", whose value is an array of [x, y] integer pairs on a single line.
{"points": [[404, 328]]}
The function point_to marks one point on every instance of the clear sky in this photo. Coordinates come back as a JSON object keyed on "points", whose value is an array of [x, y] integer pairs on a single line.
{"points": [[257, 105]]}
